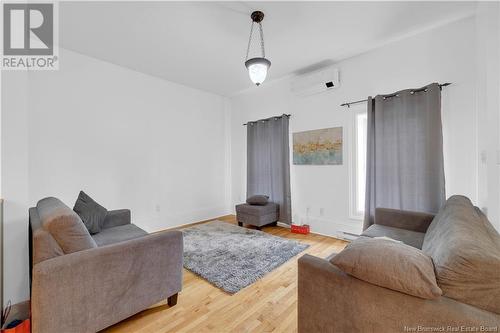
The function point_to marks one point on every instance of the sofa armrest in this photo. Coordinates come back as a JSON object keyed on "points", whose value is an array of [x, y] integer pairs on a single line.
{"points": [[116, 218], [329, 300], [90, 290], [403, 219]]}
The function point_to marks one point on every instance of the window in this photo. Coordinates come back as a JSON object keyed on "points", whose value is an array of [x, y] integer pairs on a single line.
{"points": [[358, 161]]}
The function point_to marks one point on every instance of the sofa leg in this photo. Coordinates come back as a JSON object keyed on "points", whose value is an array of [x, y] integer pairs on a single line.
{"points": [[172, 300], [259, 228], [240, 224]]}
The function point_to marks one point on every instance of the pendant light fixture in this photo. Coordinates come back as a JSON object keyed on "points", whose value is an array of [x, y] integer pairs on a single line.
{"points": [[257, 67]]}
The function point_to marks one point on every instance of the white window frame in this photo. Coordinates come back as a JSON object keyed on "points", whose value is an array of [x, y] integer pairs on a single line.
{"points": [[355, 111]]}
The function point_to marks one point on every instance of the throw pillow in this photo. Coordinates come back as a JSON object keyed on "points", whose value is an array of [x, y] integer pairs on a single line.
{"points": [[390, 265], [91, 213], [259, 200]]}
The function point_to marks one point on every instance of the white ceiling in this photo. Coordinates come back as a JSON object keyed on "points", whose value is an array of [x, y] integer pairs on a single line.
{"points": [[203, 44]]}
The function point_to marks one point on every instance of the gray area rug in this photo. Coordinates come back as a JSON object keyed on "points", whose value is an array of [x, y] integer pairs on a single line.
{"points": [[232, 257]]}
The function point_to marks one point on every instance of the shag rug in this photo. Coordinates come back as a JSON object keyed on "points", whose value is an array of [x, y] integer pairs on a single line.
{"points": [[232, 257]]}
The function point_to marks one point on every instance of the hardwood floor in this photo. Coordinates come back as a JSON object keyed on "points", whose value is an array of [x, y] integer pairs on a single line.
{"points": [[269, 304]]}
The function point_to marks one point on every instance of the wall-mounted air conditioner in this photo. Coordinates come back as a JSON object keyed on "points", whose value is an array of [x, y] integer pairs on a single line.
{"points": [[316, 82]]}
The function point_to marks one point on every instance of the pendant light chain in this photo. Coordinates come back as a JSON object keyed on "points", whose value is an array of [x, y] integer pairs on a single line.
{"points": [[261, 34], [262, 40], [249, 41]]}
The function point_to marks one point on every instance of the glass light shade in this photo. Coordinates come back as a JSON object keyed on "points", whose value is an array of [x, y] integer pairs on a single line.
{"points": [[257, 69]]}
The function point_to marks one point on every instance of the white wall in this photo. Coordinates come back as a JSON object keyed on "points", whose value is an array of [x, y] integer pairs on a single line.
{"points": [[128, 139], [488, 107], [14, 168], [441, 55]]}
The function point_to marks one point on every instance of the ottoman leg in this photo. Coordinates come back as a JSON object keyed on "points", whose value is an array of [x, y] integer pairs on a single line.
{"points": [[240, 224], [172, 300], [259, 228]]}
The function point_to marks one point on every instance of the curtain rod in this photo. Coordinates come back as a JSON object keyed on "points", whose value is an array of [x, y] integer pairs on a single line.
{"points": [[266, 119], [364, 100]]}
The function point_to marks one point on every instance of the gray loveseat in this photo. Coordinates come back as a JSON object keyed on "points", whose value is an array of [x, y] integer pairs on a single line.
{"points": [[465, 249], [83, 283]]}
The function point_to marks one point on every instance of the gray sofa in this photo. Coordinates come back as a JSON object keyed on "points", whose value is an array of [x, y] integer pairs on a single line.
{"points": [[465, 250], [83, 283]]}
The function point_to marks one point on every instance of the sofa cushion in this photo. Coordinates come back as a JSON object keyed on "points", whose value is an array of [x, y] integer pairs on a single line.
{"points": [[466, 252], [391, 265], [118, 234], [91, 213], [259, 200], [116, 218], [64, 225], [412, 238], [330, 256]]}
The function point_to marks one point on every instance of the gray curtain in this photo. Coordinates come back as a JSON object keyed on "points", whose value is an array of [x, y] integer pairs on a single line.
{"points": [[268, 162], [405, 152]]}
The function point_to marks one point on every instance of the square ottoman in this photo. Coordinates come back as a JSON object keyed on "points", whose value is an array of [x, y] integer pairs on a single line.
{"points": [[257, 215]]}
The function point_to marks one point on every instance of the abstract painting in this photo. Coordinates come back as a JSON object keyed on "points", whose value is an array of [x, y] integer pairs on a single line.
{"points": [[318, 147]]}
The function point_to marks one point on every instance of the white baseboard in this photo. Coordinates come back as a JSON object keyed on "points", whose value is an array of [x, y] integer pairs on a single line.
{"points": [[284, 225]]}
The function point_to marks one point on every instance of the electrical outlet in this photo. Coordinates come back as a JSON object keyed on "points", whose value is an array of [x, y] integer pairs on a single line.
{"points": [[321, 211], [484, 156], [308, 211], [157, 208]]}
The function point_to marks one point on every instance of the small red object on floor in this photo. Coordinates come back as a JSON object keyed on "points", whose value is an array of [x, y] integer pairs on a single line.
{"points": [[300, 229]]}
